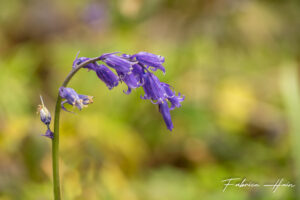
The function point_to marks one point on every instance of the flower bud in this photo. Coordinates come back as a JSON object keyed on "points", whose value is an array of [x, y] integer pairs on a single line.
{"points": [[49, 133], [44, 113]]}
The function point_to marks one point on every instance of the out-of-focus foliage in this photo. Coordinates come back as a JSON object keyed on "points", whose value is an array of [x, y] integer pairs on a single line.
{"points": [[226, 57]]}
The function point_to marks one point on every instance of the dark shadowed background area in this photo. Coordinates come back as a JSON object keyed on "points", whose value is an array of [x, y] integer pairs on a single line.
{"points": [[236, 61]]}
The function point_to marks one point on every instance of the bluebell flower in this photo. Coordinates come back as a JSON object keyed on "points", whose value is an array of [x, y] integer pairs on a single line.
{"points": [[49, 134], [160, 93], [138, 72], [120, 64], [74, 99], [150, 60], [45, 118], [44, 113], [130, 80], [165, 112], [78, 61], [171, 96], [153, 88], [175, 101], [107, 76]]}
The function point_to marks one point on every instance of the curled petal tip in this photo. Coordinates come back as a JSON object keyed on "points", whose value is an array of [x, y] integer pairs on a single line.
{"points": [[128, 91]]}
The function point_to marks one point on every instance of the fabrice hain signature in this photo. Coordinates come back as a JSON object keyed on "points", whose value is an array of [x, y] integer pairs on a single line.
{"points": [[244, 183]]}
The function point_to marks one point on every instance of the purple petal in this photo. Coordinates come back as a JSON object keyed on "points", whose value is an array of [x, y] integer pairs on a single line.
{"points": [[138, 72], [150, 59], [63, 106], [165, 112], [153, 88], [175, 101], [130, 80], [107, 76], [49, 134], [120, 64], [78, 61], [128, 91], [169, 92], [71, 96]]}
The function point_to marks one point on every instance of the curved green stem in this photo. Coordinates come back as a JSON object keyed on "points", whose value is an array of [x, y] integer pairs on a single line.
{"points": [[55, 141]]}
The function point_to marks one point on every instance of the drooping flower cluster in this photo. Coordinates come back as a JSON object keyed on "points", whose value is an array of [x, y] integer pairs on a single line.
{"points": [[134, 71], [45, 118]]}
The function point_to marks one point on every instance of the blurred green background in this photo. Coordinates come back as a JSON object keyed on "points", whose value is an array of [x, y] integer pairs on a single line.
{"points": [[236, 61]]}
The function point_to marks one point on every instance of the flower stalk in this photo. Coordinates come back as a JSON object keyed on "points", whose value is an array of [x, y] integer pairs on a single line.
{"points": [[55, 140]]}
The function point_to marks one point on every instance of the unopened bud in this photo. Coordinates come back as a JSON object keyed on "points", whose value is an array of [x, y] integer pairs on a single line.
{"points": [[44, 113]]}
